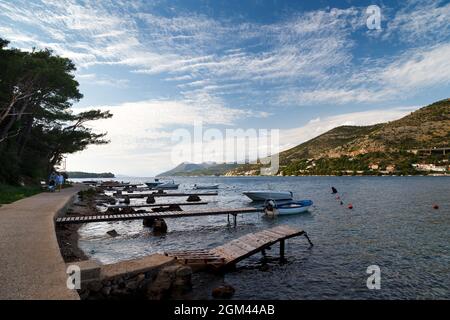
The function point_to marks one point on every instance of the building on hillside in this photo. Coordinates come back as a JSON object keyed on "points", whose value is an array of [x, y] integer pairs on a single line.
{"points": [[374, 166], [390, 168], [429, 167]]}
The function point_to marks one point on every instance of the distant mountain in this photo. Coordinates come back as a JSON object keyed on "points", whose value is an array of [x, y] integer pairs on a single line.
{"points": [[86, 175], [355, 148], [195, 169]]}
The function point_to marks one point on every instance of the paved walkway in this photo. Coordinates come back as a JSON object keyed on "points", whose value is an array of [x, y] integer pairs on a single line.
{"points": [[31, 265]]}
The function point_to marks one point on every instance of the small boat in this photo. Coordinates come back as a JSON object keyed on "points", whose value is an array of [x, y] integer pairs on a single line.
{"points": [[206, 186], [167, 186], [269, 195], [154, 184], [272, 208]]}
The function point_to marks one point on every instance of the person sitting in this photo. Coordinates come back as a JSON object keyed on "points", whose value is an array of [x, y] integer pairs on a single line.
{"points": [[51, 185]]}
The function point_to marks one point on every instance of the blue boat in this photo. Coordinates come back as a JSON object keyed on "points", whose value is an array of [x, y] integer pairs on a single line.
{"points": [[272, 208]]}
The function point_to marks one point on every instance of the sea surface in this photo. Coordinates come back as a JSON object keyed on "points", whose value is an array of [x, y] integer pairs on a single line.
{"points": [[392, 225]]}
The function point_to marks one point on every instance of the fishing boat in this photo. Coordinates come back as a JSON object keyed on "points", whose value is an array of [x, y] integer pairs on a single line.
{"points": [[272, 208], [153, 184], [269, 195], [167, 186], [206, 186]]}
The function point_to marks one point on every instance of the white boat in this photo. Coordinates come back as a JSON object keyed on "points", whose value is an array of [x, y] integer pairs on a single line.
{"points": [[272, 208], [167, 186], [206, 186], [269, 195]]}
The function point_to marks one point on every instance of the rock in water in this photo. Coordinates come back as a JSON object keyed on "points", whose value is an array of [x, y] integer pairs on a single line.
{"points": [[148, 222], [223, 292], [160, 226], [193, 198], [113, 233]]}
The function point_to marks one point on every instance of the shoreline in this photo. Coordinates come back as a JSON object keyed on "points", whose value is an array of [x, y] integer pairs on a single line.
{"points": [[67, 235]]}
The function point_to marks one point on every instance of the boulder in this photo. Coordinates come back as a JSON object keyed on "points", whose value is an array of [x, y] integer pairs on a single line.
{"points": [[113, 233], [148, 222], [223, 292], [160, 226], [193, 198]]}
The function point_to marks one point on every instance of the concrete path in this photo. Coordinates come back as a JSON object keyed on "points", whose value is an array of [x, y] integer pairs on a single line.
{"points": [[31, 265]]}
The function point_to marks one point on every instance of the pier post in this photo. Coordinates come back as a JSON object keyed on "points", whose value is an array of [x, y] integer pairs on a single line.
{"points": [[309, 240], [235, 219], [282, 250]]}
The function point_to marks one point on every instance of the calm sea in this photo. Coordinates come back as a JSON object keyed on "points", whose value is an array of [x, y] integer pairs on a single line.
{"points": [[392, 225]]}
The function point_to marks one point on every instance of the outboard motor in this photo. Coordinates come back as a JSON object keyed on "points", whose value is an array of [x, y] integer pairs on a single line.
{"points": [[270, 207]]}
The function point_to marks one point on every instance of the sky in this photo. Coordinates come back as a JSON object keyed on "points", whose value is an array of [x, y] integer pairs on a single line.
{"points": [[300, 67]]}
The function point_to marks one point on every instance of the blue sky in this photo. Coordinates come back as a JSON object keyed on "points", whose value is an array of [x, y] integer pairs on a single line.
{"points": [[302, 67]]}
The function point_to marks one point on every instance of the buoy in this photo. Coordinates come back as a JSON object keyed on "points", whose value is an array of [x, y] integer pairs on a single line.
{"points": [[435, 206], [350, 206]]}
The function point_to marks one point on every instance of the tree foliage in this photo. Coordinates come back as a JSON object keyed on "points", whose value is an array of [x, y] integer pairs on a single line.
{"points": [[37, 122]]}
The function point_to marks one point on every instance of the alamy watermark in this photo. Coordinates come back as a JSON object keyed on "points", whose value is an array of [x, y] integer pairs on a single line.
{"points": [[74, 279], [373, 21], [374, 280], [239, 146]]}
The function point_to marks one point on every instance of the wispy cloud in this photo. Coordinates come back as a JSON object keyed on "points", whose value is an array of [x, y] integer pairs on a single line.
{"points": [[420, 22]]}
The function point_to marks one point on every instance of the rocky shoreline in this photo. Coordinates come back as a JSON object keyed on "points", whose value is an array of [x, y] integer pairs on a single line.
{"points": [[154, 277], [67, 235]]}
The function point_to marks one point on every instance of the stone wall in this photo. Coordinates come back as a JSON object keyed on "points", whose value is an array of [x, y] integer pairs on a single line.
{"points": [[152, 277]]}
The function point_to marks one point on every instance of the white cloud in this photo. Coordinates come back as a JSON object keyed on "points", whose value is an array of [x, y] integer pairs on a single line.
{"points": [[420, 21], [422, 68], [315, 127], [139, 151]]}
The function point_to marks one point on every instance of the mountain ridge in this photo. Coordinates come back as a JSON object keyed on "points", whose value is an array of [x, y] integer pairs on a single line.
{"points": [[358, 148]]}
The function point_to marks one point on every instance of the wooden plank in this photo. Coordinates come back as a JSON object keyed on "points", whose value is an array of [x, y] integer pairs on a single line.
{"points": [[244, 245], [157, 205], [257, 238], [286, 230], [271, 235]]}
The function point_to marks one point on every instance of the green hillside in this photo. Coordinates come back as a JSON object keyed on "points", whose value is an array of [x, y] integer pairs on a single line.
{"points": [[356, 149]]}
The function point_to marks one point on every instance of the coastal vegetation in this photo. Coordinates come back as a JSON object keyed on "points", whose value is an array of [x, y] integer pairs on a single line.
{"points": [[199, 169], [86, 175], [37, 122], [10, 194], [385, 148], [396, 147]]}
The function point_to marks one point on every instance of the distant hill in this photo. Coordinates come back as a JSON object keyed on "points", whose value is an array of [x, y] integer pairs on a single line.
{"points": [[88, 175], [195, 169], [355, 148]]}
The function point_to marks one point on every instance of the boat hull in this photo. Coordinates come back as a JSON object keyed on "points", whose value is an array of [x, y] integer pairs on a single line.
{"points": [[168, 186], [294, 207], [268, 195], [212, 187]]}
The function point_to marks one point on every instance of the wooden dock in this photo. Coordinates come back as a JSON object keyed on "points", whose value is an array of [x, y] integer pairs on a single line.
{"points": [[161, 194], [155, 215], [236, 250], [152, 205]]}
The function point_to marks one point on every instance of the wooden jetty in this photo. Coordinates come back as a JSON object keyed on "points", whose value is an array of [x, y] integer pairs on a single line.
{"points": [[155, 215], [145, 205], [236, 250], [161, 194]]}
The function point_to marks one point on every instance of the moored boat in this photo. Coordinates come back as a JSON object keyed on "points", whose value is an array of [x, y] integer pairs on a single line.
{"points": [[206, 186], [153, 184], [167, 186], [269, 195], [272, 208]]}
